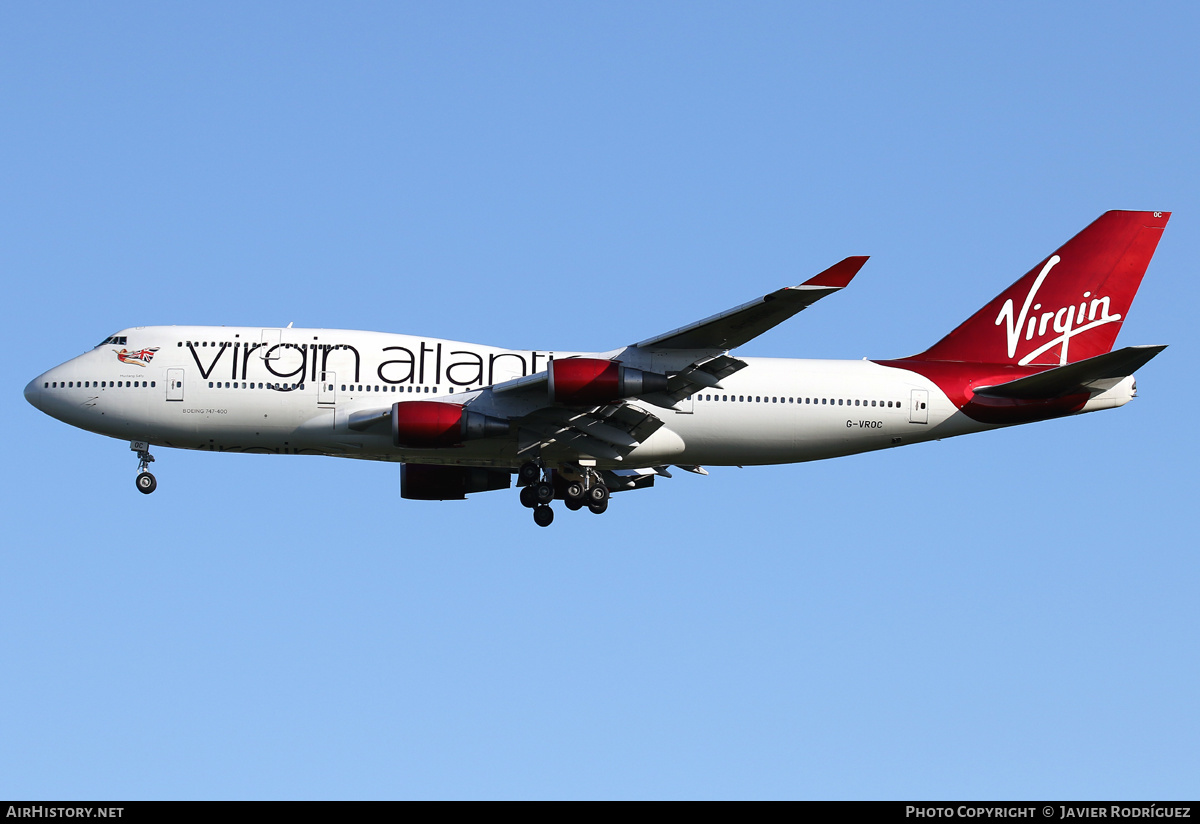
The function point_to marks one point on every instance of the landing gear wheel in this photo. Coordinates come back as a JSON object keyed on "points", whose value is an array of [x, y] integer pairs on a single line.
{"points": [[527, 497], [597, 495], [574, 491], [599, 508], [574, 504], [529, 473], [543, 516], [145, 481], [543, 492]]}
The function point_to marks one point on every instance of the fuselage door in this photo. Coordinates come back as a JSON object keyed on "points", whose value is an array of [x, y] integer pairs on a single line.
{"points": [[919, 411], [327, 391], [174, 384]]}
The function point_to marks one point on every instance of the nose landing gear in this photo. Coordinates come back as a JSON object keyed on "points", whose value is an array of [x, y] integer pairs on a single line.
{"points": [[145, 482]]}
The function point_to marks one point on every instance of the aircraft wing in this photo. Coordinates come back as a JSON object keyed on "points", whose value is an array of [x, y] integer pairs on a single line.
{"points": [[610, 431], [705, 373], [746, 322]]}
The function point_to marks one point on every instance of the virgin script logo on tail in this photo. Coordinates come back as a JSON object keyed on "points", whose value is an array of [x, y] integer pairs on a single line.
{"points": [[1066, 320]]}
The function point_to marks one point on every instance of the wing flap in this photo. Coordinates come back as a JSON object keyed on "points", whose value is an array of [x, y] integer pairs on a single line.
{"points": [[700, 375], [609, 432]]}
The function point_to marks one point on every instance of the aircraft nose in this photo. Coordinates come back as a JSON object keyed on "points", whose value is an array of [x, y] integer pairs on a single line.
{"points": [[34, 393]]}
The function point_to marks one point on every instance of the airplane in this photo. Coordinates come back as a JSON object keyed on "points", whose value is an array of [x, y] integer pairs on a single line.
{"points": [[579, 426]]}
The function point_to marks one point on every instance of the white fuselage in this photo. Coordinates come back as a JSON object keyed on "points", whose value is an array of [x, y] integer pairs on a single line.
{"points": [[293, 391]]}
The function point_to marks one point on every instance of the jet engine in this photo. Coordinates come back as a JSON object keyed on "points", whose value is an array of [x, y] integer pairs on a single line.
{"points": [[590, 381], [426, 482], [432, 424]]}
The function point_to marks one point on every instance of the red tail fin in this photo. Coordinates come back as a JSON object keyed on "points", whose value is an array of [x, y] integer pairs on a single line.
{"points": [[1067, 308]]}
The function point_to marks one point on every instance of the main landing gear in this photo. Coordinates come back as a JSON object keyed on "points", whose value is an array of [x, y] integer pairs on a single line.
{"points": [[145, 482], [538, 490]]}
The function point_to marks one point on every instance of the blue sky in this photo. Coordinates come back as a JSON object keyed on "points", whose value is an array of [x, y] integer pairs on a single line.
{"points": [[1008, 615]]}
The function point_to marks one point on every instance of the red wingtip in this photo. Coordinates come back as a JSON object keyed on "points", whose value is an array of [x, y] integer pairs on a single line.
{"points": [[839, 274]]}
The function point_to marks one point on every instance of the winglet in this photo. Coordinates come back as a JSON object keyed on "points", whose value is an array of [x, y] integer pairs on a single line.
{"points": [[839, 275]]}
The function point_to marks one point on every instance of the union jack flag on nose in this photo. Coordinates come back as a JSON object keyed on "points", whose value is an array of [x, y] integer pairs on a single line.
{"points": [[139, 358]]}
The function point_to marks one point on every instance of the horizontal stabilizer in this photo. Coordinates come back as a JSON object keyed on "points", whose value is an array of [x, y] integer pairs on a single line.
{"points": [[1081, 376], [746, 322]]}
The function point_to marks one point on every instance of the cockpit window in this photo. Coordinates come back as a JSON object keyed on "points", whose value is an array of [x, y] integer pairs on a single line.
{"points": [[119, 340]]}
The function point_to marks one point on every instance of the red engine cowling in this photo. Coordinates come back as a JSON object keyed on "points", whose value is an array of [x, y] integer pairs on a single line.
{"points": [[589, 381], [432, 424], [425, 482]]}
